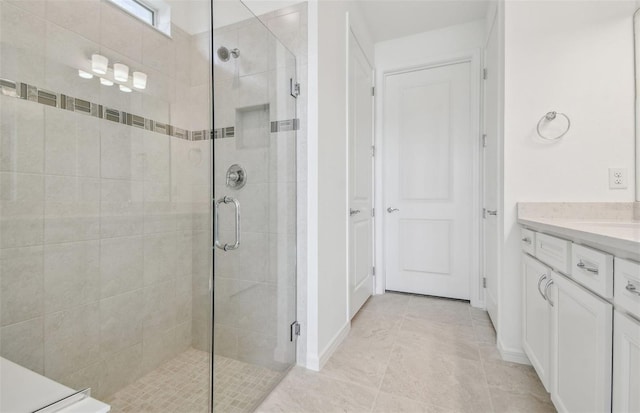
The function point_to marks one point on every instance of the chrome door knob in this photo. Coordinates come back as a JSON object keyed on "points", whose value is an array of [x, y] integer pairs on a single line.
{"points": [[390, 210], [353, 211]]}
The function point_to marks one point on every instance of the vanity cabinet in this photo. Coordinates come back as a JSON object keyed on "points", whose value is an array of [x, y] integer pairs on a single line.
{"points": [[626, 337], [537, 317], [568, 328], [582, 348], [626, 364]]}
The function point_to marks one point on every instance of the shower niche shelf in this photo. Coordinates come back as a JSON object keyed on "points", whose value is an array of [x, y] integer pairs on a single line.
{"points": [[252, 127]]}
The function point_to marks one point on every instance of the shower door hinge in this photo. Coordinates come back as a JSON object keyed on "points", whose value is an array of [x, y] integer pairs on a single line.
{"points": [[373, 150], [484, 282], [484, 73], [373, 271], [373, 91], [373, 212], [295, 330], [484, 141], [294, 88]]}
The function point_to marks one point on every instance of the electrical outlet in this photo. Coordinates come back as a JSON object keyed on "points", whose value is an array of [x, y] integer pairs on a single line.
{"points": [[617, 178]]}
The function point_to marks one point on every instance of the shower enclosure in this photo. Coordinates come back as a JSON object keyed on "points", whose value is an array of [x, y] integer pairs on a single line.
{"points": [[147, 202]]}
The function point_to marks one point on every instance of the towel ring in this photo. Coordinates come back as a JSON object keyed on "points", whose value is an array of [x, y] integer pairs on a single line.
{"points": [[550, 116]]}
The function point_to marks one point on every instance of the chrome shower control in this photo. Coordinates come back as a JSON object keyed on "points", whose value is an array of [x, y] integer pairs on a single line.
{"points": [[236, 177]]}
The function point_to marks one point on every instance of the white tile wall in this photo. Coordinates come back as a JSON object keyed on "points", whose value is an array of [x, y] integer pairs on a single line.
{"points": [[96, 218], [109, 226]]}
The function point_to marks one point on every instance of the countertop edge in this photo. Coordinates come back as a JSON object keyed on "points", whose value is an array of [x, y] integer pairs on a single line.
{"points": [[617, 246]]}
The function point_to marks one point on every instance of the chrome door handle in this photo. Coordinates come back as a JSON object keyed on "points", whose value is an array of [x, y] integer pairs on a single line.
{"points": [[542, 278], [216, 232], [526, 240], [632, 288], [583, 266], [390, 210], [546, 287], [353, 211], [493, 212]]}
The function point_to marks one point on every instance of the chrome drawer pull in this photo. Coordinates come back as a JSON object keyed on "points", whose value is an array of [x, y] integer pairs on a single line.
{"points": [[632, 288], [582, 266], [526, 240], [542, 278], [546, 287]]}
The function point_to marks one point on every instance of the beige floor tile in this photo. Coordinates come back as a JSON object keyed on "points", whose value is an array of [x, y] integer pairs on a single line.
{"points": [[389, 303], [440, 356], [388, 403], [485, 334], [440, 310], [447, 381], [505, 401], [514, 378], [308, 392], [443, 331], [438, 342]]}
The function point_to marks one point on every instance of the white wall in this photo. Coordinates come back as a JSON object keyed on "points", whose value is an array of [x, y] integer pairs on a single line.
{"points": [[415, 50], [574, 57], [327, 279], [420, 48]]}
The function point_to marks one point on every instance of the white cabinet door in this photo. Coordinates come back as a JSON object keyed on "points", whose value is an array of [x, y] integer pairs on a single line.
{"points": [[536, 329], [626, 364], [582, 346]]}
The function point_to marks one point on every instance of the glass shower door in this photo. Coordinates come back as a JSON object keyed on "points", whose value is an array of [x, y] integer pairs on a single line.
{"points": [[105, 202], [254, 150]]}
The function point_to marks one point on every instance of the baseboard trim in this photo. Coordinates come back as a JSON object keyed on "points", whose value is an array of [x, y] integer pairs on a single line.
{"points": [[317, 363], [512, 355]]}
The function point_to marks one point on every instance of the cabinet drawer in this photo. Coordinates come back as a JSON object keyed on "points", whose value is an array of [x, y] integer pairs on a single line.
{"points": [[554, 251], [593, 269], [627, 286], [528, 241]]}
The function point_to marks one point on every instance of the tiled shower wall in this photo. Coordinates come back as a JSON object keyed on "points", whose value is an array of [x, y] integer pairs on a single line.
{"points": [[104, 227], [255, 295]]}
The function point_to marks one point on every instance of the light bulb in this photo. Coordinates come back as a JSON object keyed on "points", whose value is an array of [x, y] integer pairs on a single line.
{"points": [[125, 89], [120, 72], [105, 82], [139, 80], [84, 75], [99, 64]]}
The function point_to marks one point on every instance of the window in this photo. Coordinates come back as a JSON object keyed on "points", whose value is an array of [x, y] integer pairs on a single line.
{"points": [[138, 9]]}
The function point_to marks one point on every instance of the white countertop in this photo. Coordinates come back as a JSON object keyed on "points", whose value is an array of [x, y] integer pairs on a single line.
{"points": [[24, 391], [621, 235]]}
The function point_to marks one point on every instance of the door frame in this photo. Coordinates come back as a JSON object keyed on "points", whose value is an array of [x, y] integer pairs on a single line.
{"points": [[474, 58], [350, 30]]}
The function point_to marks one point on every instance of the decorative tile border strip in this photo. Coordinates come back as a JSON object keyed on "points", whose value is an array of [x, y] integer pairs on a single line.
{"points": [[285, 125], [222, 133], [59, 100]]}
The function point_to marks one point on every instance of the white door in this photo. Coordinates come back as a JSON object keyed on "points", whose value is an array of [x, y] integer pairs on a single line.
{"points": [[360, 177], [626, 364], [490, 181], [536, 323], [428, 182], [582, 331]]}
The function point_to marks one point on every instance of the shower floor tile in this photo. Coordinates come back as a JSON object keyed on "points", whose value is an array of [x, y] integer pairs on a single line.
{"points": [[181, 385]]}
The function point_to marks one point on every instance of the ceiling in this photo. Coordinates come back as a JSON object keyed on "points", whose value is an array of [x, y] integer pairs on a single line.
{"points": [[386, 19], [193, 16], [390, 19]]}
